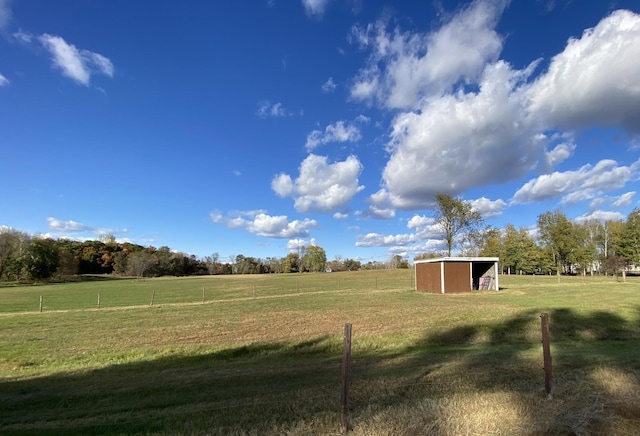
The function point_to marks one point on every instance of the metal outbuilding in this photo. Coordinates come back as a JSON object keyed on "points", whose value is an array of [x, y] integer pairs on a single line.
{"points": [[456, 274]]}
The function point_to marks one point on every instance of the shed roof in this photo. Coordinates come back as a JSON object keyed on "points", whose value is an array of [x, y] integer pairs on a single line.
{"points": [[458, 259]]}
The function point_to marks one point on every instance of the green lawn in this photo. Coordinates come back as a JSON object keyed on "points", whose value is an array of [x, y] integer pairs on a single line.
{"points": [[262, 355]]}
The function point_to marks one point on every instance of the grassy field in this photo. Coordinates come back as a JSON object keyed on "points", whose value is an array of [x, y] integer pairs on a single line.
{"points": [[262, 355]]}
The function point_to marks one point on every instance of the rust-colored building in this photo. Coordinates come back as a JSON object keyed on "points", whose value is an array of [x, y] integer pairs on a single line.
{"points": [[456, 274]]}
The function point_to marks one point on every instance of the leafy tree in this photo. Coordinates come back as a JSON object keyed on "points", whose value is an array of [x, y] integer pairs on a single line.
{"points": [[628, 245], [557, 233], [40, 259], [490, 244], [290, 263], [315, 259], [457, 219], [352, 265], [10, 242], [520, 252]]}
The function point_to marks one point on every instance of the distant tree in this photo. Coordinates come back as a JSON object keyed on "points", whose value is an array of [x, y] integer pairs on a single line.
{"points": [[352, 265], [491, 243], [628, 243], [315, 259], [558, 234], [398, 261], [212, 263], [138, 263], [457, 220], [290, 263], [40, 259], [10, 242]]}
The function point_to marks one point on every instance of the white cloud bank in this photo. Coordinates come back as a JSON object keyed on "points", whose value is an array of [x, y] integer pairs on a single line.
{"points": [[473, 120], [321, 186], [75, 228]]}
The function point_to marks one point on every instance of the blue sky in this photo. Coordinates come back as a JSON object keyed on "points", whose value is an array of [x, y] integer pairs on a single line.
{"points": [[254, 127]]}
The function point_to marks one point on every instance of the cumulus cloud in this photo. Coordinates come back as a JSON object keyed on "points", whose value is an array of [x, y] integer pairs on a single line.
{"points": [[261, 224], [275, 110], [594, 80], [405, 67], [585, 183], [425, 236], [315, 8], [321, 186], [328, 86], [75, 227], [488, 208], [376, 212], [461, 141], [341, 131], [560, 153], [75, 63]]}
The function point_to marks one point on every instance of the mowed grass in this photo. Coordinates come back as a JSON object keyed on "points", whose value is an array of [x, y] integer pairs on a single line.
{"points": [[262, 355]]}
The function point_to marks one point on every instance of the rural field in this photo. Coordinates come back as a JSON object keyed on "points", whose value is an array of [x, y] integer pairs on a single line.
{"points": [[262, 355]]}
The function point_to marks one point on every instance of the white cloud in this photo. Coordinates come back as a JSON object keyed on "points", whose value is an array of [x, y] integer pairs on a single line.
{"points": [[585, 183], [71, 226], [5, 14], [624, 200], [404, 68], [457, 142], [76, 64], [340, 215], [328, 86], [378, 240], [488, 208], [376, 212], [267, 109], [594, 80], [560, 153], [23, 37], [600, 215], [341, 131], [315, 8], [4, 81], [321, 186], [261, 224]]}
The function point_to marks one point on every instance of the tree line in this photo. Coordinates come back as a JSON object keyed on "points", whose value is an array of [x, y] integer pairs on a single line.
{"points": [[557, 246], [26, 258], [563, 246]]}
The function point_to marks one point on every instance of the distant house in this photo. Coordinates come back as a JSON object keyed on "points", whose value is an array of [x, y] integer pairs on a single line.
{"points": [[456, 274]]}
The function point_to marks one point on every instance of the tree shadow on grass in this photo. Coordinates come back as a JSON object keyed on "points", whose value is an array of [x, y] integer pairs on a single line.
{"points": [[294, 387], [596, 364]]}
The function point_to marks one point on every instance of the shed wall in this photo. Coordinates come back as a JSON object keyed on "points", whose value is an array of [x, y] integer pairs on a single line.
{"points": [[457, 276], [428, 277]]}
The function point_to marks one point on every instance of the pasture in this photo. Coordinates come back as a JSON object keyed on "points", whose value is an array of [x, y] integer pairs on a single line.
{"points": [[254, 355]]}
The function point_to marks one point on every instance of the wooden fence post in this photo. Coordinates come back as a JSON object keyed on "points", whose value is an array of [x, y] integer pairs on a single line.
{"points": [[40, 303], [346, 371], [203, 294], [546, 353], [98, 300], [153, 296]]}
